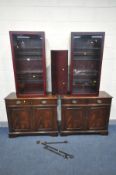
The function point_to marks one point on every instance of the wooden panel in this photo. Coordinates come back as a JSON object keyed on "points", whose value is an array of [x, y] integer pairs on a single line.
{"points": [[20, 119], [98, 117], [72, 118], [59, 71], [45, 118]]}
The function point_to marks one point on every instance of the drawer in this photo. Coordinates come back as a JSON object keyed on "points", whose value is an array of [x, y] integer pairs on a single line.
{"points": [[19, 102], [87, 101]]}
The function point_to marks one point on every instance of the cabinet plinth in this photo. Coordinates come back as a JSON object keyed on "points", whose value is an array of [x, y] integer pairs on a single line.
{"points": [[32, 116], [85, 114]]}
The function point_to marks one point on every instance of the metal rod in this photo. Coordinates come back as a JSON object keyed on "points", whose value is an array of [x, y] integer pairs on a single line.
{"points": [[59, 151], [56, 152], [59, 142]]}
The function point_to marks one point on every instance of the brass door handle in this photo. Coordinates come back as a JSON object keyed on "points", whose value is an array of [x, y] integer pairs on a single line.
{"points": [[43, 101], [74, 101], [99, 101], [18, 102]]}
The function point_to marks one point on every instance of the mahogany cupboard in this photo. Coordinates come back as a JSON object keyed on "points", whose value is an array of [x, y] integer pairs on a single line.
{"points": [[85, 114], [79, 115], [86, 61], [28, 55], [31, 116], [59, 71]]}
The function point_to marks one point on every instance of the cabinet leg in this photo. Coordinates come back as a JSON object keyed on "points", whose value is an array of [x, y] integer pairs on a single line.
{"points": [[63, 134], [104, 133], [12, 136], [54, 134]]}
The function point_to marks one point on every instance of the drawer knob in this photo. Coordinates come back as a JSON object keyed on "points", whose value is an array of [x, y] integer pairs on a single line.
{"points": [[43, 101], [74, 101], [92, 42], [34, 76], [62, 69], [28, 59], [18, 102], [99, 101], [63, 83]]}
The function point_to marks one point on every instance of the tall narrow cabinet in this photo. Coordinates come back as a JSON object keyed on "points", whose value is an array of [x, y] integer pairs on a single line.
{"points": [[28, 55], [59, 71], [86, 61]]}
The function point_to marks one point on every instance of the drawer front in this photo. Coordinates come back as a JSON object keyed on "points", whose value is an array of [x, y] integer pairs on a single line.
{"points": [[78, 101], [19, 102]]}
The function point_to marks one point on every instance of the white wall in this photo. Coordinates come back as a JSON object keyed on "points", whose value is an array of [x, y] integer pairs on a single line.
{"points": [[57, 18]]}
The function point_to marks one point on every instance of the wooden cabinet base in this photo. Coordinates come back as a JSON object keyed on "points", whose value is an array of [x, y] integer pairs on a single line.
{"points": [[101, 132], [85, 115], [32, 116], [38, 116], [16, 134]]}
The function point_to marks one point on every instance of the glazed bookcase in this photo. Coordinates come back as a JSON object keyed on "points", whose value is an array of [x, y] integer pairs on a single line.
{"points": [[28, 55], [86, 61]]}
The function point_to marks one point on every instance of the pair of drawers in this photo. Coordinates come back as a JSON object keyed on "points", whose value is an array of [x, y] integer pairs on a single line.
{"points": [[82, 101], [19, 102]]}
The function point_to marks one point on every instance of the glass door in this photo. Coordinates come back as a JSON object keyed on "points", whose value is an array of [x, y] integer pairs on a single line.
{"points": [[86, 53], [29, 62]]}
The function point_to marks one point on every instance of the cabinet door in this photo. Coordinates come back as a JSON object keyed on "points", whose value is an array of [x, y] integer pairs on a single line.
{"points": [[98, 117], [44, 118], [73, 118], [19, 119], [86, 60]]}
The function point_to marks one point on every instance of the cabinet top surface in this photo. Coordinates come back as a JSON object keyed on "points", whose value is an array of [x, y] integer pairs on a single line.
{"points": [[102, 94], [14, 96], [26, 32], [88, 33]]}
